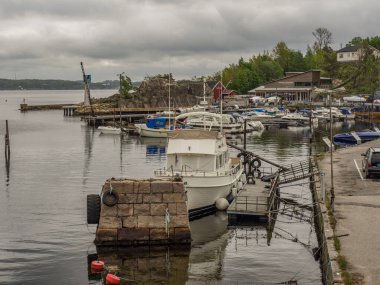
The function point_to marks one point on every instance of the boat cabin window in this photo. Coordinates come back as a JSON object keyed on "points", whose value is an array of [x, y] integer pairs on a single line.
{"points": [[183, 162]]}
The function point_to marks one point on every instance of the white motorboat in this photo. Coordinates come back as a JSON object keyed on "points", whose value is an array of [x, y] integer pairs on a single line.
{"points": [[155, 127], [144, 131], [212, 121], [202, 159], [300, 118], [110, 130]]}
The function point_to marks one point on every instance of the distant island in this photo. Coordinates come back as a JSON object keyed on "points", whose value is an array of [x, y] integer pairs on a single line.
{"points": [[53, 84]]}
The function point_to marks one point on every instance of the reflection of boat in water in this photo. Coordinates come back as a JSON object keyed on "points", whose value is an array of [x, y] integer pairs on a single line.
{"points": [[153, 141], [202, 159], [172, 264], [210, 238], [208, 261]]}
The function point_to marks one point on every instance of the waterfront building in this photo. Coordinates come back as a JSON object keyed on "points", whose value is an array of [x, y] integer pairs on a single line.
{"points": [[294, 87]]}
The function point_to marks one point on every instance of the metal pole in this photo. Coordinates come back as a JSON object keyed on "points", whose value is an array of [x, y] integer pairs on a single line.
{"points": [[221, 101], [332, 192], [245, 134], [120, 97]]}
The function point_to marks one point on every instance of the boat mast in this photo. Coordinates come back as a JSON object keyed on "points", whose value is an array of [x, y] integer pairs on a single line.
{"points": [[204, 89], [169, 101], [221, 101]]}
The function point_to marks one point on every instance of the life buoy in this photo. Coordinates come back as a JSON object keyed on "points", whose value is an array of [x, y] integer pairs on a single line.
{"points": [[97, 265], [112, 279], [110, 199], [255, 163]]}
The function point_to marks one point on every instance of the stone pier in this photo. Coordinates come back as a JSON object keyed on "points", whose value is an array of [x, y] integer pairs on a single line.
{"points": [[148, 212]]}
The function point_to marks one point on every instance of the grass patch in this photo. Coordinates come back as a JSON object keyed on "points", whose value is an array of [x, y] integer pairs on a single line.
{"points": [[343, 265], [336, 243], [330, 213], [342, 262]]}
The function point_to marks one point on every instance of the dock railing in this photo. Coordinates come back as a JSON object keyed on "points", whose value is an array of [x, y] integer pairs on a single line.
{"points": [[250, 204]]}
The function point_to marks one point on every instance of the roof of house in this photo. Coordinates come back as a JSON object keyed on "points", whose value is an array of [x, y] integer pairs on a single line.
{"points": [[295, 74], [349, 48]]}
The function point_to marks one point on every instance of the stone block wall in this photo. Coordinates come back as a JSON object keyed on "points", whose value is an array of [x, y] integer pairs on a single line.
{"points": [[138, 218]]}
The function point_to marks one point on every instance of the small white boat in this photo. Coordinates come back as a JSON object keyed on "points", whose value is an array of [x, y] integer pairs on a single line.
{"points": [[211, 121], [202, 159], [300, 118], [155, 127], [144, 131], [109, 130]]}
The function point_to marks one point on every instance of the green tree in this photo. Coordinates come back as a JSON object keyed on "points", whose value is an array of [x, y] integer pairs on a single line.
{"points": [[282, 54], [296, 61], [125, 86], [310, 61]]}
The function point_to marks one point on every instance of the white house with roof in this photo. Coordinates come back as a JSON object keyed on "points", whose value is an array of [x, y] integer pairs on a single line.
{"points": [[353, 53]]}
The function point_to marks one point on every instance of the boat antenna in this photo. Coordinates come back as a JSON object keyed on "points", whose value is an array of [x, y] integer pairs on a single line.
{"points": [[169, 102], [204, 89], [221, 101]]}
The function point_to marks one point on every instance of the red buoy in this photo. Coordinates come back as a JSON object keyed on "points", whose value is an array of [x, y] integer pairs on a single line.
{"points": [[112, 279], [97, 265]]}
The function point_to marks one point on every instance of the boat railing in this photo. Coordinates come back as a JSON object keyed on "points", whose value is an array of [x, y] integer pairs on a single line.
{"points": [[250, 204], [187, 170]]}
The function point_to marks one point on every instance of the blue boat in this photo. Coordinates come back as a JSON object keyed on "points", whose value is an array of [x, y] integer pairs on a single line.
{"points": [[349, 138]]}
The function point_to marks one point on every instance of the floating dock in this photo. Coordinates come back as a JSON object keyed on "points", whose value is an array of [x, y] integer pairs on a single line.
{"points": [[256, 201], [260, 200]]}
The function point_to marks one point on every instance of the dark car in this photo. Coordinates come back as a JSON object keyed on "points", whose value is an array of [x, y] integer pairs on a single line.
{"points": [[371, 162]]}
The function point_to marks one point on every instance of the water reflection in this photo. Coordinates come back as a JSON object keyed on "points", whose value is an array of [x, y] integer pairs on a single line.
{"points": [[155, 147], [88, 144]]}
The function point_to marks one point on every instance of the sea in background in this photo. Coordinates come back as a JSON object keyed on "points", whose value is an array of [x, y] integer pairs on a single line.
{"points": [[56, 161]]}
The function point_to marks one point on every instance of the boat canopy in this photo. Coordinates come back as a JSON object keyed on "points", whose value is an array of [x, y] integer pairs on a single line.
{"points": [[154, 123]]}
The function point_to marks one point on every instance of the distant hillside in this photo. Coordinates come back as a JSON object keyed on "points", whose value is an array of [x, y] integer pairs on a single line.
{"points": [[37, 84]]}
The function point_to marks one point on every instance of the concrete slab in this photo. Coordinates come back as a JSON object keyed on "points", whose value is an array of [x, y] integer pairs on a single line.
{"points": [[357, 209]]}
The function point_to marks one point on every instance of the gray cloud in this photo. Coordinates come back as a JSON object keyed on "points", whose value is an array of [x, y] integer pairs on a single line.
{"points": [[48, 39]]}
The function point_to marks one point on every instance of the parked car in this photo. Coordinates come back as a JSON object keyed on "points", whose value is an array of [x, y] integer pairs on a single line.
{"points": [[371, 162]]}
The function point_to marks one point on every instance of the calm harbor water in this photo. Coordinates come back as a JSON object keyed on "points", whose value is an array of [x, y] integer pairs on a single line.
{"points": [[56, 161]]}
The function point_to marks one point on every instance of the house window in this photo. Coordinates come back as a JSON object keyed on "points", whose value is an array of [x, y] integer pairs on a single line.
{"points": [[341, 55], [353, 54]]}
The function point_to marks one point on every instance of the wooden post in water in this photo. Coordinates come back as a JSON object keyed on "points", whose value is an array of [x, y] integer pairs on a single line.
{"points": [[7, 149]]}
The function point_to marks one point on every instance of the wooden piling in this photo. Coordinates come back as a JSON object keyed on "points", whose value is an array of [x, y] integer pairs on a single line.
{"points": [[7, 149]]}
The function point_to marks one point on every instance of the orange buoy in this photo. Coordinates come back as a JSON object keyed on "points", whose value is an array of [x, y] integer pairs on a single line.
{"points": [[97, 265], [112, 279]]}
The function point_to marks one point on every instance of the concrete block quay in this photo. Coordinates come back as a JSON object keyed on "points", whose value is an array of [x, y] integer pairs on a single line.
{"points": [[357, 212], [147, 212]]}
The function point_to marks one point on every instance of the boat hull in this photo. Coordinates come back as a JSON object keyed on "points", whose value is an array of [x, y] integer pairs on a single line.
{"points": [[109, 130], [203, 191], [144, 131], [348, 138]]}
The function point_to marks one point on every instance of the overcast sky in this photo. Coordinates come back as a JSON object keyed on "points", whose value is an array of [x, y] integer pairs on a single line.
{"points": [[47, 39]]}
